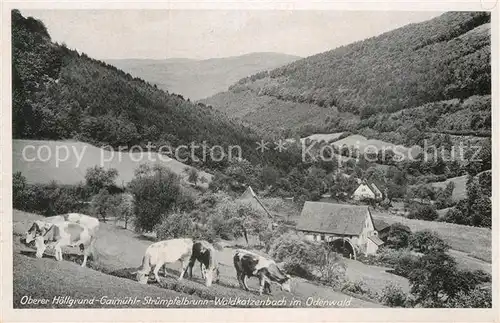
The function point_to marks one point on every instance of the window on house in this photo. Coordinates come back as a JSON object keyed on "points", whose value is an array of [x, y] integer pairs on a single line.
{"points": [[322, 237]]}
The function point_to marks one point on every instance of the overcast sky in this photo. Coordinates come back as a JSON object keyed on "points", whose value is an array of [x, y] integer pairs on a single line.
{"points": [[159, 34]]}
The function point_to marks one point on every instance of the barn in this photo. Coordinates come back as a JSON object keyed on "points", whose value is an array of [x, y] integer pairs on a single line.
{"points": [[349, 228]]}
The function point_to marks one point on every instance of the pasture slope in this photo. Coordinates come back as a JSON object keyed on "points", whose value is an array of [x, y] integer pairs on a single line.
{"points": [[38, 162], [323, 137], [460, 190], [471, 246], [365, 146], [119, 252]]}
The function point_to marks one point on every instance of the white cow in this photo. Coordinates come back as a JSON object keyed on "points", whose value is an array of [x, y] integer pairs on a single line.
{"points": [[40, 231], [163, 252], [65, 234], [39, 227]]}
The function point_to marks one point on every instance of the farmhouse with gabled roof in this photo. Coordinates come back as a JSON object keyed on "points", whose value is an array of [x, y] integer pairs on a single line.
{"points": [[367, 190], [334, 223]]}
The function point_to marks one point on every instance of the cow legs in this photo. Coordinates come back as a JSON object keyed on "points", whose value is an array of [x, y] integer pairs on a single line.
{"points": [[239, 276], [203, 270], [264, 284], [267, 287], [164, 270], [190, 267], [40, 249], [86, 251], [58, 252], [244, 279], [156, 271], [183, 269]]}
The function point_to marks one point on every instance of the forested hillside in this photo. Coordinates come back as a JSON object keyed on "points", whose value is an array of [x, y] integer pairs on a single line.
{"points": [[59, 93], [441, 65]]}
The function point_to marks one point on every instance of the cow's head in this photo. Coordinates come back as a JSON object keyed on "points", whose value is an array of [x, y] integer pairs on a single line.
{"points": [[142, 277], [212, 276], [286, 284], [36, 229]]}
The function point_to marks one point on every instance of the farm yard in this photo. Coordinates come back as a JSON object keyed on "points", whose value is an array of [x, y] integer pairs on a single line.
{"points": [[119, 252]]}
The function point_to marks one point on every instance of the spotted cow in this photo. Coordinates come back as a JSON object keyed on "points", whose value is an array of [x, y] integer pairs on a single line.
{"points": [[39, 227], [63, 234], [248, 264]]}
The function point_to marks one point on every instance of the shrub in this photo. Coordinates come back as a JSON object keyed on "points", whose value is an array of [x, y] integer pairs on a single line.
{"points": [[125, 208], [192, 175], [423, 212], [481, 276], [232, 219], [426, 241], [175, 225], [405, 265], [19, 191], [156, 191], [358, 287], [97, 178], [479, 297], [398, 236], [308, 259], [393, 296], [455, 215], [435, 279], [103, 204], [48, 200]]}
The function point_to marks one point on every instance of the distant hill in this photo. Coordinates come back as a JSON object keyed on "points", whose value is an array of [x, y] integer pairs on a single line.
{"points": [[71, 170], [433, 76], [197, 79], [59, 94]]}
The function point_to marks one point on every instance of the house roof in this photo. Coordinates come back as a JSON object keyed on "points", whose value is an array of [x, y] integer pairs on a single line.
{"points": [[332, 218], [251, 198], [375, 188], [361, 184], [376, 240], [380, 225]]}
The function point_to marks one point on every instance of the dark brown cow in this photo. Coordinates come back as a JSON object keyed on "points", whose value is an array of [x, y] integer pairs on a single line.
{"points": [[204, 252]]}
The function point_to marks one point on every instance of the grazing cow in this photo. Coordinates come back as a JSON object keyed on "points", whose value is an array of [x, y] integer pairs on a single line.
{"points": [[39, 227], [204, 252], [163, 252], [65, 234], [248, 264]]}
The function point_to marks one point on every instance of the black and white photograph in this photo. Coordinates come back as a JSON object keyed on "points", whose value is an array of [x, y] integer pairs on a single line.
{"points": [[250, 159]]}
